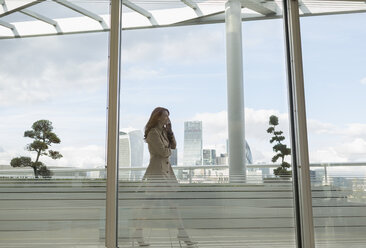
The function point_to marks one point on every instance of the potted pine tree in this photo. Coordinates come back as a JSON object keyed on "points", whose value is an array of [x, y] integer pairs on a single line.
{"points": [[279, 148]]}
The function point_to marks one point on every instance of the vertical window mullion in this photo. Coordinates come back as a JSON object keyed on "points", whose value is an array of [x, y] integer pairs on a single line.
{"points": [[297, 115], [113, 124]]}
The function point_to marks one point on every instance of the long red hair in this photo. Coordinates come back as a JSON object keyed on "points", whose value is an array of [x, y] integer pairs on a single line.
{"points": [[154, 119]]}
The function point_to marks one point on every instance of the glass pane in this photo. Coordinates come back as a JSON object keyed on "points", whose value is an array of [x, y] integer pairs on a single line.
{"points": [[267, 134], [53, 97], [184, 70], [335, 83]]}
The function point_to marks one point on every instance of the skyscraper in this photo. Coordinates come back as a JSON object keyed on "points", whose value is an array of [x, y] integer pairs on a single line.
{"points": [[124, 156], [209, 156], [223, 159], [131, 149], [248, 154], [192, 154], [137, 148]]}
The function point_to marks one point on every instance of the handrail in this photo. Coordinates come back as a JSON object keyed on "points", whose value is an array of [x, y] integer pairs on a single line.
{"points": [[259, 166]]}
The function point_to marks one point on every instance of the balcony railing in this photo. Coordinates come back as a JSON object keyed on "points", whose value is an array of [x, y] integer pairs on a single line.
{"points": [[69, 209], [322, 173]]}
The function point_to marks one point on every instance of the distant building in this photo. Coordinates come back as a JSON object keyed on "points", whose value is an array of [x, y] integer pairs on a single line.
{"points": [[248, 154], [192, 154], [137, 148], [131, 153], [58, 172], [131, 149], [174, 157], [266, 172], [317, 177], [223, 159], [124, 154], [342, 182], [209, 156]]}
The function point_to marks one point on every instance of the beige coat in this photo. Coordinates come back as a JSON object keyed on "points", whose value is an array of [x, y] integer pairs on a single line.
{"points": [[160, 151]]}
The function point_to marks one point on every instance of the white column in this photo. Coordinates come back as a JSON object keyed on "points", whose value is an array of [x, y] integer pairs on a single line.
{"points": [[235, 90], [113, 126]]}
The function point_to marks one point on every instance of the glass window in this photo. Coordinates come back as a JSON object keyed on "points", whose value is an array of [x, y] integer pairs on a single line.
{"points": [[184, 70], [52, 133], [335, 83]]}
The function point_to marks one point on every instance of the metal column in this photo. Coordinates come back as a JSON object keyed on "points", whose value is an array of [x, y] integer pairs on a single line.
{"points": [[297, 111], [113, 125], [235, 91]]}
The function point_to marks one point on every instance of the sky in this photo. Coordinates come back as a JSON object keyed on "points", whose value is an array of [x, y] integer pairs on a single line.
{"points": [[64, 79]]}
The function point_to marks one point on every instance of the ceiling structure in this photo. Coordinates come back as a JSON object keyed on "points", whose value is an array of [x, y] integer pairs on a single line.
{"points": [[29, 18]]}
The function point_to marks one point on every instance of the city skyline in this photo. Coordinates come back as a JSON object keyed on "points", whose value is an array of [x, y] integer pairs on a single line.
{"points": [[132, 152], [131, 145]]}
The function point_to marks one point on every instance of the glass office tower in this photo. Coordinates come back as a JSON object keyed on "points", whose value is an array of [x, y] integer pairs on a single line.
{"points": [[209, 157], [192, 143]]}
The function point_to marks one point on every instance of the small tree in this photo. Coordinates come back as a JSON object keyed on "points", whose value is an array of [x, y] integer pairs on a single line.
{"points": [[43, 138], [281, 149]]}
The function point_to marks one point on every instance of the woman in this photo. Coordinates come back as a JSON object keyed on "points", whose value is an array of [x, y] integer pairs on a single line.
{"points": [[160, 139]]}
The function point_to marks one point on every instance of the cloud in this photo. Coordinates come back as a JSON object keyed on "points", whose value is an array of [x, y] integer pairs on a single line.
{"points": [[363, 80], [253, 34], [6, 156], [192, 48], [52, 81], [354, 150], [354, 130], [326, 154], [90, 156], [319, 127], [137, 73], [182, 45], [347, 130], [198, 44], [37, 70], [214, 127]]}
